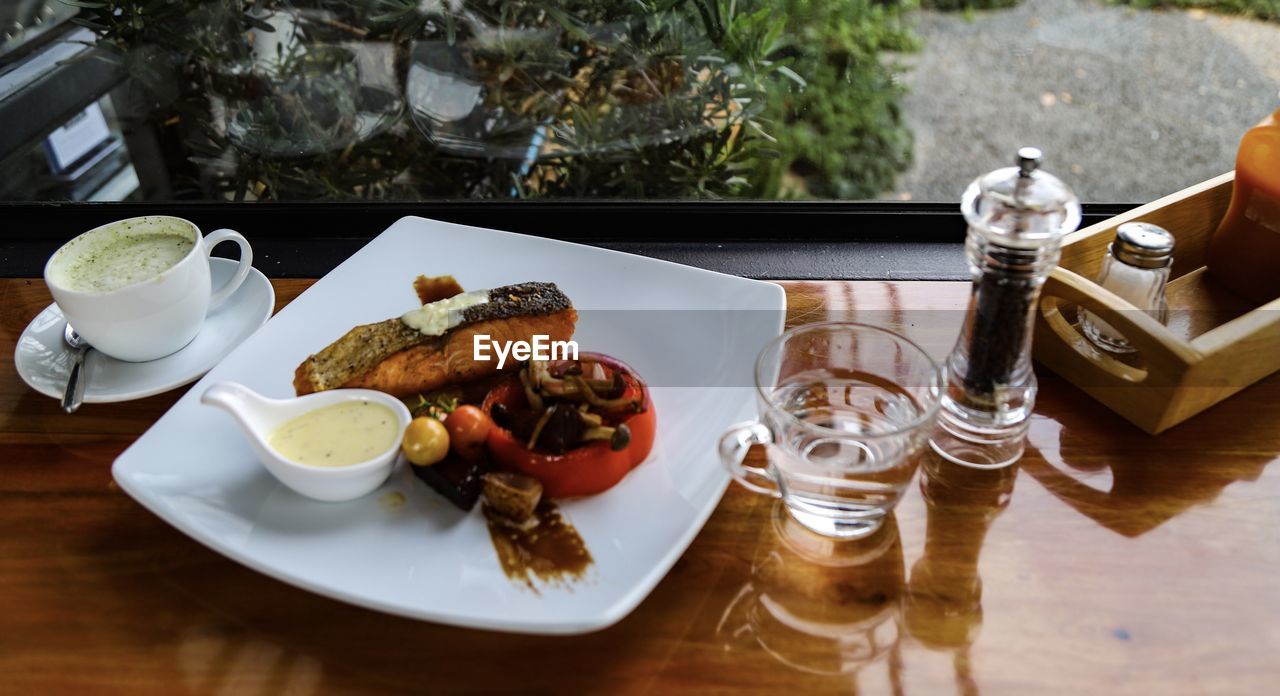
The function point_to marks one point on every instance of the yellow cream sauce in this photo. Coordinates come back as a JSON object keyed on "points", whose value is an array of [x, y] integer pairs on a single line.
{"points": [[339, 435]]}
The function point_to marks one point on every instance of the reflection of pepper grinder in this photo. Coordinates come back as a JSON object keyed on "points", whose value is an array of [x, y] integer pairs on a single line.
{"points": [[943, 608]]}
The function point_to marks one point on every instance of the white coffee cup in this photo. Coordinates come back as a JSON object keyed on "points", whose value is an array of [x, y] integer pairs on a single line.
{"points": [[139, 289]]}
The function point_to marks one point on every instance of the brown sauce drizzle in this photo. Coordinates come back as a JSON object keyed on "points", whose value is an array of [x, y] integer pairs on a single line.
{"points": [[550, 551]]}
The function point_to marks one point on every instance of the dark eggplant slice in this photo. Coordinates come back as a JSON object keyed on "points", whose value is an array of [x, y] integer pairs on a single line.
{"points": [[457, 479]]}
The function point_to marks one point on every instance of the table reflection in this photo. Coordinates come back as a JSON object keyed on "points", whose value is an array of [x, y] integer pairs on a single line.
{"points": [[1131, 483], [829, 607], [943, 605], [211, 661], [823, 606]]}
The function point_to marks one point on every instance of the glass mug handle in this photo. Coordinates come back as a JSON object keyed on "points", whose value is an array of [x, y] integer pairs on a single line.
{"points": [[733, 453]]}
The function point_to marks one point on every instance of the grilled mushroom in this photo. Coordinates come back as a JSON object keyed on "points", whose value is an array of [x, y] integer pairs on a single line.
{"points": [[513, 495]]}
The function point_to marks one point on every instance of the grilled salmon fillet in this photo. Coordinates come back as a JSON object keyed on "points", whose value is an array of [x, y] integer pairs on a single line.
{"points": [[426, 367], [391, 357]]}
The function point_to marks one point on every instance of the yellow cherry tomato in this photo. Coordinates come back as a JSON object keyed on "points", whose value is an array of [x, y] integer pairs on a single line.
{"points": [[426, 441]]}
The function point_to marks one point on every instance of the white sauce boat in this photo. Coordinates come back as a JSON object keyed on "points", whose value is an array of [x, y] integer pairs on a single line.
{"points": [[259, 416]]}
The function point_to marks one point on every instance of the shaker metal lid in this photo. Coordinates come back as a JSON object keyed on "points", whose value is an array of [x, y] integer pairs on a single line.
{"points": [[1143, 244], [1023, 205]]}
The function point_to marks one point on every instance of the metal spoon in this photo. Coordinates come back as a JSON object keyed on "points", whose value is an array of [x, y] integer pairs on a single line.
{"points": [[73, 396]]}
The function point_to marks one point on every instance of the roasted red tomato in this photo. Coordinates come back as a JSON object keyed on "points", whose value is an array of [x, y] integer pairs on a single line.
{"points": [[590, 467]]}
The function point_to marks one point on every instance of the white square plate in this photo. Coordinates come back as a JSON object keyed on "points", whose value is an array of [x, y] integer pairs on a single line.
{"points": [[692, 334]]}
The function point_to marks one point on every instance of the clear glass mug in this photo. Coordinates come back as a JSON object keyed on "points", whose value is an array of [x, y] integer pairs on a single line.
{"points": [[845, 414]]}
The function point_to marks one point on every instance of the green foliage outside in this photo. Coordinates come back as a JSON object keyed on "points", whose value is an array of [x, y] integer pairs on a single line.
{"points": [[1262, 9], [947, 5], [573, 98], [841, 135], [632, 98]]}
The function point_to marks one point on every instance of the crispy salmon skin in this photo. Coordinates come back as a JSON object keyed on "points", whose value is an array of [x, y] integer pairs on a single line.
{"points": [[430, 366], [392, 357]]}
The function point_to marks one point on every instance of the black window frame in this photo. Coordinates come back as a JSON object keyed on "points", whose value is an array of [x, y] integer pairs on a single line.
{"points": [[770, 240]]}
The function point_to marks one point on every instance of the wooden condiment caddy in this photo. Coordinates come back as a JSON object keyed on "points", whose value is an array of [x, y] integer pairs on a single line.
{"points": [[1215, 344]]}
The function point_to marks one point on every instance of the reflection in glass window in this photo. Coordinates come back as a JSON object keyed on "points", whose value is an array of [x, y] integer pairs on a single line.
{"points": [[634, 99]]}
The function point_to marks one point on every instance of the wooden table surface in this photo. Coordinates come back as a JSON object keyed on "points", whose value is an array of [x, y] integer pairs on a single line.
{"points": [[1107, 561]]}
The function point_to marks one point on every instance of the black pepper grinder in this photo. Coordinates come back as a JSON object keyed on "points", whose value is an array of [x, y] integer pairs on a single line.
{"points": [[1017, 217]]}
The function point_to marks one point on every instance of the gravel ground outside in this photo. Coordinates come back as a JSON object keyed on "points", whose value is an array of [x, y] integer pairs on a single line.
{"points": [[1127, 104]]}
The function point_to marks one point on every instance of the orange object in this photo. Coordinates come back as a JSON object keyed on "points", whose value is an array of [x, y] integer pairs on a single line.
{"points": [[584, 470], [1244, 254]]}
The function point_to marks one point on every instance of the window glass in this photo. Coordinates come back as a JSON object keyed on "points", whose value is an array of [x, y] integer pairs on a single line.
{"points": [[409, 100]]}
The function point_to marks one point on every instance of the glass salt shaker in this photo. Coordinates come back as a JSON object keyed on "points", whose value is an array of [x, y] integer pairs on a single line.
{"points": [[1017, 217], [1136, 269]]}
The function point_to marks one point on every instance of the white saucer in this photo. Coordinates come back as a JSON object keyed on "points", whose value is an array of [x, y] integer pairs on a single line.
{"points": [[44, 362]]}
